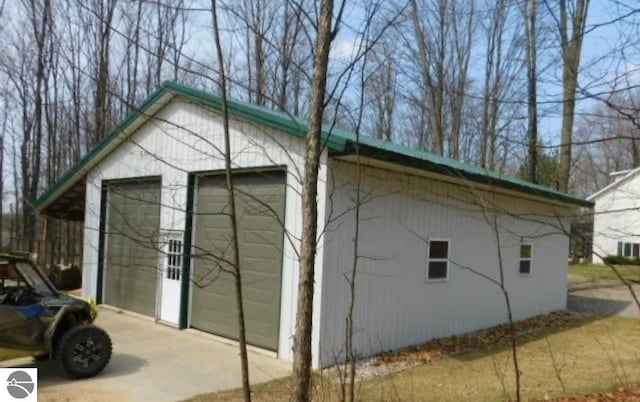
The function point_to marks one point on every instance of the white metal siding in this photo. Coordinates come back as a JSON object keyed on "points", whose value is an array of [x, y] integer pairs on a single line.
{"points": [[616, 218], [183, 138], [395, 305]]}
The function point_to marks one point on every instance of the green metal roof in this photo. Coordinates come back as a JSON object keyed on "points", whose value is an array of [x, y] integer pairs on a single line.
{"points": [[338, 141]]}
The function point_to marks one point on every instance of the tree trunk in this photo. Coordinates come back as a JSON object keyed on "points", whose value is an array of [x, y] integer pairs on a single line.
{"points": [[507, 301], [301, 375], [242, 340], [31, 147], [532, 108], [5, 118], [571, 49], [103, 64]]}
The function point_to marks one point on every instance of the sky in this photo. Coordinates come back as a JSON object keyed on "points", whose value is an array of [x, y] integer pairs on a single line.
{"points": [[598, 63]]}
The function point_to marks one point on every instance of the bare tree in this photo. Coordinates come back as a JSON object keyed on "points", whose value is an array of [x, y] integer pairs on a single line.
{"points": [[571, 26], [103, 12], [532, 89], [3, 133], [232, 205], [432, 81], [437, 54], [301, 375], [503, 48], [33, 83], [382, 92]]}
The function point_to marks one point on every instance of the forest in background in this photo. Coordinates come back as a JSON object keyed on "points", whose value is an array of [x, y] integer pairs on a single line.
{"points": [[505, 84]]}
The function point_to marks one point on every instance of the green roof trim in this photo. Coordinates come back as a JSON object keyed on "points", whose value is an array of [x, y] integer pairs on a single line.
{"points": [[290, 124], [432, 163], [337, 140], [113, 134]]}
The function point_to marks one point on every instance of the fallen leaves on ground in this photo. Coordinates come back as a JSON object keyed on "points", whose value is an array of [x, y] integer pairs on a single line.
{"points": [[619, 395], [438, 348]]}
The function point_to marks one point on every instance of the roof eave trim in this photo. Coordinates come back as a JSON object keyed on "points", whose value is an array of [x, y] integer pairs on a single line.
{"points": [[290, 125], [82, 167], [474, 177], [613, 185]]}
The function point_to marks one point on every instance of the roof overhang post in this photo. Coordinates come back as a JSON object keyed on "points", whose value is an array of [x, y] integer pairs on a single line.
{"points": [[44, 243]]}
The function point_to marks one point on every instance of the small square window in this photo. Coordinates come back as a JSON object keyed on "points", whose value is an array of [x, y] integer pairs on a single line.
{"points": [[526, 256], [438, 260]]}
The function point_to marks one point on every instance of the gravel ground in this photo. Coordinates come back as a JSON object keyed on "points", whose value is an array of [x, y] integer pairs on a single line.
{"points": [[602, 297]]}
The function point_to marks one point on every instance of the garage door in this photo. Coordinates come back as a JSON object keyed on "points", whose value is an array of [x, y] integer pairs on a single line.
{"points": [[133, 219], [260, 208]]}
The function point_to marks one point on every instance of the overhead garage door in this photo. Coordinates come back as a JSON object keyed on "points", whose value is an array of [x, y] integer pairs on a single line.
{"points": [[260, 210], [133, 219]]}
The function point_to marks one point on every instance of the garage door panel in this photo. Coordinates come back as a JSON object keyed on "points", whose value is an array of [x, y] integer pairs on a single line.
{"points": [[259, 219], [254, 275], [265, 252], [259, 297], [250, 277], [206, 281], [131, 260], [260, 209]]}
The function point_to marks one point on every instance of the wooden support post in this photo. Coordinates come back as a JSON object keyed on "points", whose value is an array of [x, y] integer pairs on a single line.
{"points": [[44, 249]]}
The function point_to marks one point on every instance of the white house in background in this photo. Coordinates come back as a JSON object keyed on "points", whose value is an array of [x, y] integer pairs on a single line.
{"points": [[153, 201], [616, 221]]}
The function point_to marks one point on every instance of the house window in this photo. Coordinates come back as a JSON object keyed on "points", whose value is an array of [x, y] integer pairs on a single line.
{"points": [[628, 249], [526, 253], [174, 259], [438, 260]]}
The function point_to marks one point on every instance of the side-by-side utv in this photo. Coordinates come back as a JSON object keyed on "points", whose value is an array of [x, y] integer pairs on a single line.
{"points": [[39, 321]]}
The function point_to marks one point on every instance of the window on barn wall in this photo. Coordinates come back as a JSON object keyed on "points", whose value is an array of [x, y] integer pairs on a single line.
{"points": [[628, 249], [526, 256], [173, 258], [438, 260]]}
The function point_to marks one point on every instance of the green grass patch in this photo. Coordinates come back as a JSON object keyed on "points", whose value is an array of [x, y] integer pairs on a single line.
{"points": [[10, 354], [589, 356], [592, 272]]}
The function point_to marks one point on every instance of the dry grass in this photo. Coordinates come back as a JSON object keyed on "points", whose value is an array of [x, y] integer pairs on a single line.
{"points": [[598, 272], [589, 356]]}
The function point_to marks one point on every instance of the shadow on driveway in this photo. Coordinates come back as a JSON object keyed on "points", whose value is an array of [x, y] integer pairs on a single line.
{"points": [[153, 362], [602, 297], [596, 305], [50, 373]]}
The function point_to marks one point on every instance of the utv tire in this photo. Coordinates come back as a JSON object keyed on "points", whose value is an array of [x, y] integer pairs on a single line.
{"points": [[83, 351]]}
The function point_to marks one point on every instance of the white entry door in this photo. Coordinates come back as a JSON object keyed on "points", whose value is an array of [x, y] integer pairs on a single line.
{"points": [[171, 277]]}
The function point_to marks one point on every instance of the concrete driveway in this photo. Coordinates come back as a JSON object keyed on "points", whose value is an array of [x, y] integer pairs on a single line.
{"points": [[152, 362], [602, 297]]}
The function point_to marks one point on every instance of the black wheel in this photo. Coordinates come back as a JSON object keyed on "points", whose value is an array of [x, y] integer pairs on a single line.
{"points": [[83, 351]]}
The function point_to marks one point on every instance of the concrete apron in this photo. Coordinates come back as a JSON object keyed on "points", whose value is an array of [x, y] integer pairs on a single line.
{"points": [[153, 362]]}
